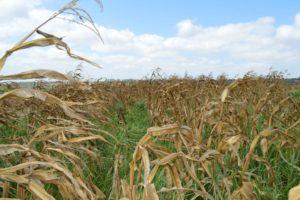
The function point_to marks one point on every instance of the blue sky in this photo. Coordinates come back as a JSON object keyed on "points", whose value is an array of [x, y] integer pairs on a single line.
{"points": [[197, 37], [161, 16]]}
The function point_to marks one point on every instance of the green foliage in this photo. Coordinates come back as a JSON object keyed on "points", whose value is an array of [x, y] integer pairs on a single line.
{"points": [[128, 133], [296, 93], [11, 131]]}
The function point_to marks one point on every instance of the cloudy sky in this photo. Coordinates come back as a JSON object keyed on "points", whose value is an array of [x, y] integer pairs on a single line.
{"points": [[194, 37]]}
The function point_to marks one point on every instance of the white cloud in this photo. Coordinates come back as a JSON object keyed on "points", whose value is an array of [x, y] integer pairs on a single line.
{"points": [[230, 48], [18, 8], [290, 33]]}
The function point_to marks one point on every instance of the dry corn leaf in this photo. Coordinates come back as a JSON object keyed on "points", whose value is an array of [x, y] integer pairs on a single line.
{"points": [[43, 42], [116, 185], [250, 153], [151, 193], [267, 132], [224, 94], [177, 182], [20, 179], [75, 184], [43, 96], [167, 159], [246, 192], [5, 187], [164, 130], [152, 173], [37, 74], [9, 199], [146, 163], [294, 193], [38, 190], [6, 149], [88, 138], [46, 176], [65, 153], [264, 146]]}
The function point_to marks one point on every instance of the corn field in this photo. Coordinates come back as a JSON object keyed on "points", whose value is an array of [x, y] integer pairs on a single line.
{"points": [[202, 138]]}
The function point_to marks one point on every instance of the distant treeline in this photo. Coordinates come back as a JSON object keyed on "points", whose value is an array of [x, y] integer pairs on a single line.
{"points": [[293, 80]]}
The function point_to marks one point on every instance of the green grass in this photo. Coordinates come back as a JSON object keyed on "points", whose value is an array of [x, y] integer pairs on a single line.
{"points": [[13, 130], [128, 133], [296, 93]]}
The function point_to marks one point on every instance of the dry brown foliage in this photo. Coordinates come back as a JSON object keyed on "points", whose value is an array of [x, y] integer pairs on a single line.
{"points": [[52, 151], [216, 136]]}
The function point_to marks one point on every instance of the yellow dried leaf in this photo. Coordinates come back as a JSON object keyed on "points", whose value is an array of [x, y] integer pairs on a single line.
{"points": [[164, 130], [246, 192], [88, 138], [43, 96], [6, 149], [250, 152], [167, 159], [265, 133], [224, 94], [264, 146], [232, 140], [36, 74], [44, 42], [20, 179], [294, 193], [151, 193], [38, 190]]}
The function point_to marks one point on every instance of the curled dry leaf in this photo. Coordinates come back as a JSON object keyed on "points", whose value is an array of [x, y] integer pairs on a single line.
{"points": [[37, 74], [294, 193], [88, 138], [224, 94], [151, 193], [44, 42], [264, 146], [38, 190], [6, 149], [246, 192], [45, 97]]}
